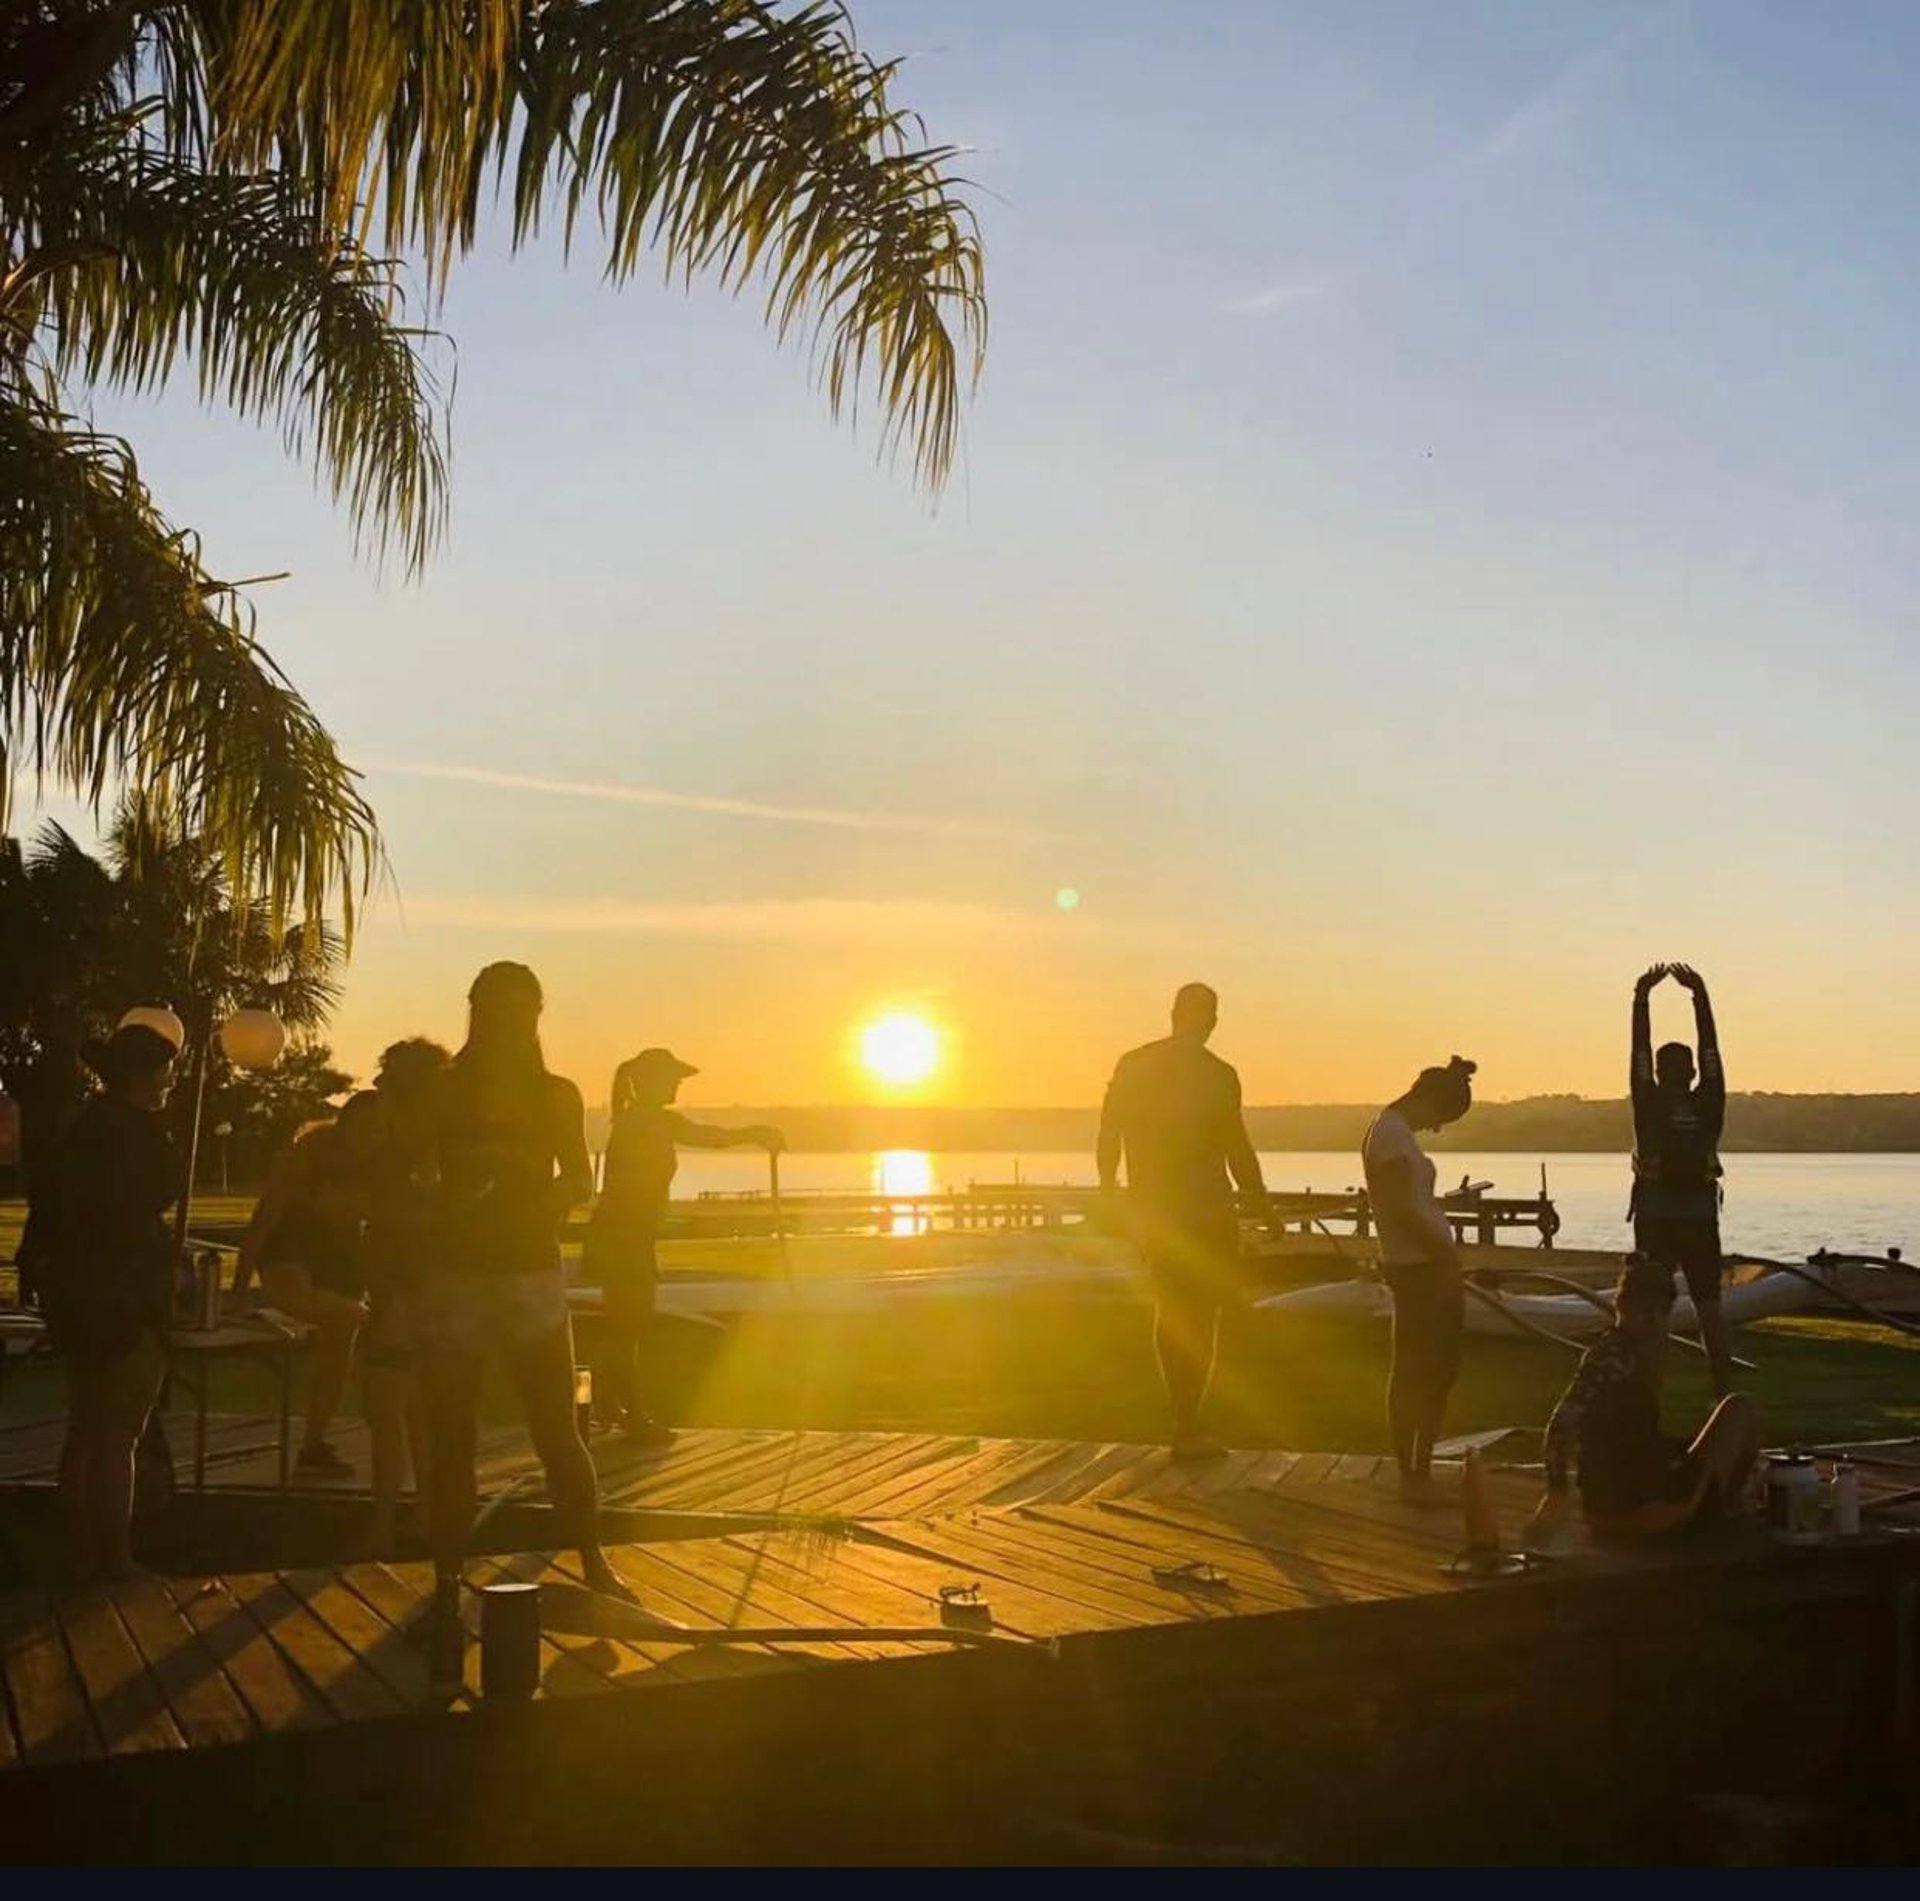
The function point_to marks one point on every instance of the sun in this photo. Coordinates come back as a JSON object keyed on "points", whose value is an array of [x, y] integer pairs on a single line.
{"points": [[900, 1048]]}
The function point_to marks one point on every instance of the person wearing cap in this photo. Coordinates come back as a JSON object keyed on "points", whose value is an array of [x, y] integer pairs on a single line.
{"points": [[1420, 1264], [506, 1148], [108, 1258], [623, 1234]]}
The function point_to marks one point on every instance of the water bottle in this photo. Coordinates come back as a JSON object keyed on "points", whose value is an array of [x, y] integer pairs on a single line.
{"points": [[1843, 1494]]}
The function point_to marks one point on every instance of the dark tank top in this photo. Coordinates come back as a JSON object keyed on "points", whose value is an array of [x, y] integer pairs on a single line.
{"points": [[498, 1145]]}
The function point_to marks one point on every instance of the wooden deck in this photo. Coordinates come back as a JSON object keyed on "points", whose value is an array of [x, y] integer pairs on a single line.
{"points": [[918, 1600]]}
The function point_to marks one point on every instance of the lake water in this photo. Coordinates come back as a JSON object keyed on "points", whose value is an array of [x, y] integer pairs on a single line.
{"points": [[1780, 1205]]}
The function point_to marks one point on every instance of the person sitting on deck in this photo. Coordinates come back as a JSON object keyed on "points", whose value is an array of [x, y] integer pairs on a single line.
{"points": [[1676, 1164], [1635, 1481], [624, 1231], [303, 1244], [1173, 1112]]}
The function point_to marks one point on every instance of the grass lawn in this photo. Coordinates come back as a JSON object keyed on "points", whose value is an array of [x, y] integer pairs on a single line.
{"points": [[1032, 1365]]}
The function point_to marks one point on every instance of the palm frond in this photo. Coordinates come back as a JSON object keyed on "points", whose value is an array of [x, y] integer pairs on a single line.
{"points": [[122, 658], [243, 274], [736, 140]]}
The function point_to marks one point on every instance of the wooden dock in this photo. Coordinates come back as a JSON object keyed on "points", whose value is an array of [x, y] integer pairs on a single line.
{"points": [[915, 1648]]}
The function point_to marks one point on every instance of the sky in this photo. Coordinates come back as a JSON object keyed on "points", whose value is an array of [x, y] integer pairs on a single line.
{"points": [[1434, 536]]}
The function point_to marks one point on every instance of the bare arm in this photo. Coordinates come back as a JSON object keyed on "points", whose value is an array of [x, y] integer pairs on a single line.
{"points": [[1640, 1061], [282, 1181], [573, 1180], [1243, 1164], [1713, 1076], [707, 1135], [1111, 1141]]}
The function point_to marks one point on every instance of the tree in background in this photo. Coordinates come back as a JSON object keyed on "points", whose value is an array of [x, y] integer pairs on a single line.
{"points": [[263, 1109], [152, 920], [227, 184]]}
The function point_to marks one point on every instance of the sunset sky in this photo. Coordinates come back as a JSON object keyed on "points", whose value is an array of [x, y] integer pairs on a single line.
{"points": [[1436, 534]]}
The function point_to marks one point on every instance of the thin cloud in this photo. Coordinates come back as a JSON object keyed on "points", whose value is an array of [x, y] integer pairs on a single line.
{"points": [[824, 921], [1287, 294], [613, 793], [1547, 110]]}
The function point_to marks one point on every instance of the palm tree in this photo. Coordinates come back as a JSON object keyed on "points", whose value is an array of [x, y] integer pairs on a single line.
{"points": [[230, 183], [82, 939]]}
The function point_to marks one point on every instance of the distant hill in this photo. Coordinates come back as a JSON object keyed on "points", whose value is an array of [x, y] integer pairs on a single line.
{"points": [[1546, 1124]]}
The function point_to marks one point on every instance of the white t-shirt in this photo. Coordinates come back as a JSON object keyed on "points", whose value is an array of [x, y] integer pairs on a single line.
{"points": [[1405, 1240]]}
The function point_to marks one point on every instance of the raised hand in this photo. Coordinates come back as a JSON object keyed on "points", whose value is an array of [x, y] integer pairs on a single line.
{"points": [[1690, 979], [1653, 975]]}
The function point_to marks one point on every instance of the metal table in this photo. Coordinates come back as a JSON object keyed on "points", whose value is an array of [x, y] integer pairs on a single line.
{"points": [[262, 1335]]}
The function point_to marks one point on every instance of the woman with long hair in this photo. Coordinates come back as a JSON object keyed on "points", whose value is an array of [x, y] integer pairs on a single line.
{"points": [[304, 1243], [623, 1235], [107, 1289], [510, 1146], [397, 1245], [1420, 1263]]}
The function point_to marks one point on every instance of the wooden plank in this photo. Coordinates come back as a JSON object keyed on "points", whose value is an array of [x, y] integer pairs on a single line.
{"points": [[1088, 1605], [277, 1696], [944, 1493], [845, 1493], [1310, 1468], [736, 1578], [49, 1705], [205, 1705], [1069, 1460], [669, 1593], [128, 1711], [1112, 1462], [562, 1672], [614, 1661], [1110, 1578], [830, 1466], [1353, 1466], [386, 1650], [345, 1686], [812, 1571], [905, 1492], [1134, 1548], [1321, 1553], [1016, 1607], [686, 1484]]}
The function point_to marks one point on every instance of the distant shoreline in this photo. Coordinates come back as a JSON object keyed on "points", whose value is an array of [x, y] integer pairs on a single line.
{"points": [[1756, 1124]]}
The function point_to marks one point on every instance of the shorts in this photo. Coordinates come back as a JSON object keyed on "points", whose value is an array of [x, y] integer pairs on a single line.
{"points": [[1617, 1479], [1195, 1265], [1687, 1243], [474, 1314], [387, 1338]]}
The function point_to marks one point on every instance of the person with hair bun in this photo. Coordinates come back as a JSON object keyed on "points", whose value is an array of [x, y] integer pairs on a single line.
{"points": [[1420, 1264], [108, 1259]]}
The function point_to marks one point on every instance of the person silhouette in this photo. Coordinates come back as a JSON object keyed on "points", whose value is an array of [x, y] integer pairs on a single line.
{"points": [[1677, 1125], [1172, 1113], [1420, 1264], [508, 1149], [624, 1231]]}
